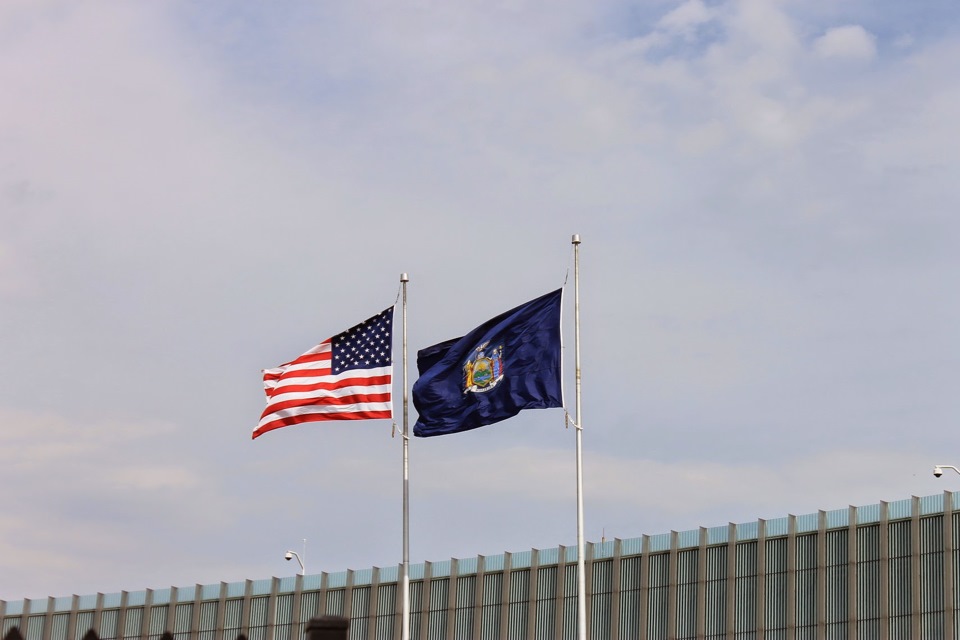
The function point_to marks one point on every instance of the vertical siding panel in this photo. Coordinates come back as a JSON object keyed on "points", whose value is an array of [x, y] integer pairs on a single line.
{"points": [[820, 598], [761, 579], [791, 577], [730, 603], [630, 622], [852, 594], [644, 622], [658, 595], [601, 596], [615, 591], [373, 606], [558, 595], [915, 605], [547, 582], [884, 571], [701, 620], [947, 563], [504, 596]]}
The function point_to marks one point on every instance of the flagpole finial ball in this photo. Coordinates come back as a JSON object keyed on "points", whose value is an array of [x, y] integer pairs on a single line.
{"points": [[575, 239], [404, 277]]}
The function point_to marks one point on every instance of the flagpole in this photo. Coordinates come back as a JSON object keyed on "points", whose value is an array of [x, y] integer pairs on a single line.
{"points": [[581, 548], [405, 572]]}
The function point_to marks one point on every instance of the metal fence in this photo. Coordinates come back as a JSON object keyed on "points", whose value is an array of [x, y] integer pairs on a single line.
{"points": [[885, 571]]}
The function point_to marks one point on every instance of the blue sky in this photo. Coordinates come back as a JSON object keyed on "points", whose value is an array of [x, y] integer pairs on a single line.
{"points": [[190, 193]]}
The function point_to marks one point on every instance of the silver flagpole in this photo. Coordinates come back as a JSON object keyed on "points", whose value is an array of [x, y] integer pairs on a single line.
{"points": [[405, 573], [581, 548]]}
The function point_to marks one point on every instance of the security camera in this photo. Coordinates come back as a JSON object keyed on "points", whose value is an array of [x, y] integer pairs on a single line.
{"points": [[288, 555], [937, 471]]}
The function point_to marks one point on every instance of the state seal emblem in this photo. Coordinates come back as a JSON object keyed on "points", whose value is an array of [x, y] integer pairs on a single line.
{"points": [[483, 369]]}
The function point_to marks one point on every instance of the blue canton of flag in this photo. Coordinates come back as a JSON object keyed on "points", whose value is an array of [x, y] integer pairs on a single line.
{"points": [[507, 364], [364, 346]]}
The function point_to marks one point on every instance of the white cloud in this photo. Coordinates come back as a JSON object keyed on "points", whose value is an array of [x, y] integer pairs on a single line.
{"points": [[850, 41], [686, 17]]}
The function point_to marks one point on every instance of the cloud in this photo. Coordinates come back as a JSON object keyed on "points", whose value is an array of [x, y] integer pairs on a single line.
{"points": [[851, 42], [686, 17]]}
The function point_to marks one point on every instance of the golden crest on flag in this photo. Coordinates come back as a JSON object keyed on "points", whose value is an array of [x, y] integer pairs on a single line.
{"points": [[483, 370]]}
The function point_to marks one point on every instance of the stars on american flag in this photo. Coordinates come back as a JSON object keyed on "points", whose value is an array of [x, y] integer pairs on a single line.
{"points": [[364, 346]]}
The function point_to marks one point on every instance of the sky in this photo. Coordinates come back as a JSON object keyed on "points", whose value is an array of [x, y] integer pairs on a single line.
{"points": [[191, 192]]}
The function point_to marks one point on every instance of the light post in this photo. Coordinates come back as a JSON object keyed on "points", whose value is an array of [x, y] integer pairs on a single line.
{"points": [[938, 469], [290, 555]]}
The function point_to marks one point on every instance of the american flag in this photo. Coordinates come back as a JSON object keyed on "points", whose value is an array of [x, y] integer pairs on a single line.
{"points": [[347, 377]]}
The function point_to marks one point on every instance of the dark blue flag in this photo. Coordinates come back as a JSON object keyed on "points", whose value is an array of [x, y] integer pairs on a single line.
{"points": [[505, 365]]}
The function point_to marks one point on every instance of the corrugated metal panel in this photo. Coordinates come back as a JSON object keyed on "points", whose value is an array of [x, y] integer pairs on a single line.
{"points": [[868, 579], [715, 614], [629, 573], [836, 597], [745, 606], [838, 631], [283, 609], [283, 617], [519, 590], [931, 566], [868, 629], [158, 620], [569, 618], [85, 623], [806, 581], [285, 631], [258, 611], [686, 593], [59, 623], [309, 605], [629, 623], [600, 603], [463, 616], [335, 602], [35, 627], [232, 615], [386, 607], [546, 603], [416, 600], [131, 623], [490, 607], [775, 596], [776, 601], [359, 604], [931, 625], [599, 615], [437, 618], [258, 618], [208, 615], [108, 625], [806, 557], [901, 587], [658, 596], [518, 608], [359, 612], [183, 618], [899, 628], [9, 622]]}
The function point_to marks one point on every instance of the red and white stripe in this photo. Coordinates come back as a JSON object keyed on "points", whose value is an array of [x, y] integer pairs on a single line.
{"points": [[305, 390]]}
